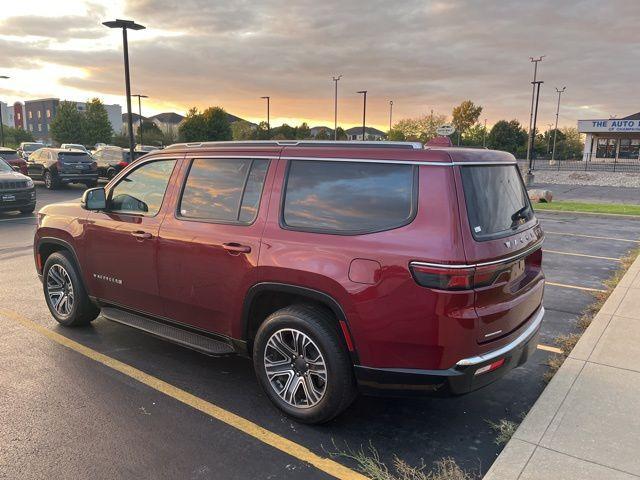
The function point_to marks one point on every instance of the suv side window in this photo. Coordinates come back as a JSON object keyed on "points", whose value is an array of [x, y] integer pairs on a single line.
{"points": [[349, 197], [142, 190], [223, 190]]}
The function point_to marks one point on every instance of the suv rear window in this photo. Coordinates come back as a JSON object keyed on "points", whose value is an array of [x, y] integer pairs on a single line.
{"points": [[349, 197], [497, 202]]}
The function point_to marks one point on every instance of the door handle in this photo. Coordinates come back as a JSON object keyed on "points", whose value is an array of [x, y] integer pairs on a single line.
{"points": [[141, 235], [236, 248]]}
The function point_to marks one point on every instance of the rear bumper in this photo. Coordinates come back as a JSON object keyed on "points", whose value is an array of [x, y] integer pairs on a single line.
{"points": [[77, 177], [461, 378]]}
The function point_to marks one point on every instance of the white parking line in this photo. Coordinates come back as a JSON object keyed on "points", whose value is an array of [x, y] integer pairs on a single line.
{"points": [[591, 236], [16, 219], [575, 287], [613, 259]]}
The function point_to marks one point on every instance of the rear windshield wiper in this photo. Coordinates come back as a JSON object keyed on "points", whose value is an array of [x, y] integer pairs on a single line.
{"points": [[519, 215]]}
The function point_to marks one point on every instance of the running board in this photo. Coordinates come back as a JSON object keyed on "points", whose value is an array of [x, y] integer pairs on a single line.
{"points": [[195, 341]]}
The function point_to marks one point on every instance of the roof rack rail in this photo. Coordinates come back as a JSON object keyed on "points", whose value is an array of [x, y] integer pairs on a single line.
{"points": [[300, 143]]}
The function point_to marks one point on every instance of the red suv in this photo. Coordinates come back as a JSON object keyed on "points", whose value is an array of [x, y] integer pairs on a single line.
{"points": [[336, 266]]}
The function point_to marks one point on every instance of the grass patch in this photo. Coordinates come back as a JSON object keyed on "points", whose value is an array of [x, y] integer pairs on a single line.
{"points": [[567, 342], [504, 430], [567, 206], [371, 465]]}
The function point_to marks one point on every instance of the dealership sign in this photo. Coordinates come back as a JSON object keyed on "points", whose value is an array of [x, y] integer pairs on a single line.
{"points": [[445, 130], [611, 125]]}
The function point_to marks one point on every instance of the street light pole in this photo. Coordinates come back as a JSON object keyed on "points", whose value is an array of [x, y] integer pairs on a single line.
{"points": [[484, 134], [549, 138], [390, 113], [1, 121], [126, 25], [139, 114], [555, 130], [268, 99], [364, 114], [535, 62], [335, 108], [532, 135]]}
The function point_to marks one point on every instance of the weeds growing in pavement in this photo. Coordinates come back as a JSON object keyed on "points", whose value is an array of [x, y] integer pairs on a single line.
{"points": [[504, 430], [567, 342], [371, 465]]}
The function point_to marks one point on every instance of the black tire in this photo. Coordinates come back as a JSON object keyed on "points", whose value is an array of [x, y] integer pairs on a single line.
{"points": [[111, 173], [50, 181], [82, 310], [91, 184], [319, 326], [28, 209]]}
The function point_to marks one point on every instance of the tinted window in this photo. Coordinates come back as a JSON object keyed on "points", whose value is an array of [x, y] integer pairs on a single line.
{"points": [[223, 190], [348, 196], [497, 202], [142, 190]]}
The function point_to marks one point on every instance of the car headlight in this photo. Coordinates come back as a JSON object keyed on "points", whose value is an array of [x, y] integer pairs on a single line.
{"points": [[29, 183]]}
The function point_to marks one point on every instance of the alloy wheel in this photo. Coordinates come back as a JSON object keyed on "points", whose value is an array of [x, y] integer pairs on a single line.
{"points": [[295, 368], [60, 290]]}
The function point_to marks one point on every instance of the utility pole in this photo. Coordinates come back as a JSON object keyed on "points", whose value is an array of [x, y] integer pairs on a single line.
{"points": [[535, 62], [484, 134], [126, 25], [139, 115], [335, 108], [268, 99], [364, 115], [532, 135], [555, 131], [390, 113], [1, 122]]}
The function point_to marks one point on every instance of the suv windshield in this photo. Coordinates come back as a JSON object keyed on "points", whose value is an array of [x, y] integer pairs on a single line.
{"points": [[8, 155], [4, 167], [32, 147], [497, 202]]}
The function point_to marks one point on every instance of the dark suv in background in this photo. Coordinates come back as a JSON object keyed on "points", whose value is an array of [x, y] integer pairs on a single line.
{"points": [[11, 156], [17, 191], [56, 166], [336, 266], [111, 160]]}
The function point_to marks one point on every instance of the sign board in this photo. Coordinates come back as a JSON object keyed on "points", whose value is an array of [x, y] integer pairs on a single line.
{"points": [[610, 125], [445, 130]]}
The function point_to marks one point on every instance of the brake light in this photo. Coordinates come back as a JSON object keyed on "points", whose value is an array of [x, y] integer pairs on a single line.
{"points": [[123, 164], [456, 278]]}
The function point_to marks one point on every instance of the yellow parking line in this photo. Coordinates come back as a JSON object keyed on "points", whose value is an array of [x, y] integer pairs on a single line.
{"points": [[613, 259], [549, 349], [246, 426], [592, 236], [586, 289]]}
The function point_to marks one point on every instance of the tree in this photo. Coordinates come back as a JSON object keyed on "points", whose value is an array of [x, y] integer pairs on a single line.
{"points": [[341, 134], [193, 128], [217, 124], [323, 134], [14, 136], [421, 129], [242, 130], [396, 135], [151, 133], [263, 132], [508, 136], [96, 121], [475, 136], [572, 145], [303, 131], [464, 116], [68, 126], [284, 132]]}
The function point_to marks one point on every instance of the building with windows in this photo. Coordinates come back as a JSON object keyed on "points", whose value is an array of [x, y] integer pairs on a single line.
{"points": [[612, 139], [18, 115], [38, 116], [7, 114], [355, 133]]}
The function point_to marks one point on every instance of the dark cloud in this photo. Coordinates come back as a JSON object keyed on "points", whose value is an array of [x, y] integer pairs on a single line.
{"points": [[422, 54], [58, 28]]}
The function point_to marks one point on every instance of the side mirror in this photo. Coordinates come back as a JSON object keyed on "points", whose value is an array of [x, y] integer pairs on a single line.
{"points": [[16, 168], [94, 199]]}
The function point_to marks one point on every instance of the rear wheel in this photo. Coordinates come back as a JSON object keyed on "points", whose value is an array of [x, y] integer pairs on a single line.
{"points": [[302, 364], [91, 184], [50, 182], [28, 209], [64, 292]]}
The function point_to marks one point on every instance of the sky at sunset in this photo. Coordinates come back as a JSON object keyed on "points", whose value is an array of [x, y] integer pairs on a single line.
{"points": [[423, 55]]}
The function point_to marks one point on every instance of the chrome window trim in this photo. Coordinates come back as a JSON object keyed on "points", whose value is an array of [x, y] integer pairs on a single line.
{"points": [[523, 337], [367, 160], [482, 264]]}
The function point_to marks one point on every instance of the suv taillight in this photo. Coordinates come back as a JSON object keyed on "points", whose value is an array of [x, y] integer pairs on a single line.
{"points": [[123, 164], [456, 278]]}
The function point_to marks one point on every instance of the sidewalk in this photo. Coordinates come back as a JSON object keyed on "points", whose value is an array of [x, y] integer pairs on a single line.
{"points": [[586, 424], [592, 193]]}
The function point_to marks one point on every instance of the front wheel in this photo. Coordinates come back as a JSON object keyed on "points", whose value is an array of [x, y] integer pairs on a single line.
{"points": [[50, 182], [302, 364], [28, 209], [64, 292]]}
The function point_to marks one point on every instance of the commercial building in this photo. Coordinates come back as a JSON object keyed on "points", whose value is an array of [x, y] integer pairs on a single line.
{"points": [[355, 133], [611, 140], [7, 114]]}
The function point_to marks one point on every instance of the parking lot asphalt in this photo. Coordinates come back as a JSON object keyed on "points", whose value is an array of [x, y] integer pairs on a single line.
{"points": [[103, 408]]}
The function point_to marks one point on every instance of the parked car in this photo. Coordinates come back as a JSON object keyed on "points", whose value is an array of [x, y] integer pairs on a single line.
{"points": [[146, 148], [74, 146], [27, 148], [56, 167], [16, 190], [111, 160], [11, 156], [337, 267]]}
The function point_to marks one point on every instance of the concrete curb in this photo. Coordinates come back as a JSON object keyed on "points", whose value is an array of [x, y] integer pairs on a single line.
{"points": [[616, 215], [580, 425]]}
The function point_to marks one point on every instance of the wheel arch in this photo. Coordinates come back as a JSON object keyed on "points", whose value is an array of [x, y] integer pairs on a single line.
{"points": [[46, 246], [267, 297]]}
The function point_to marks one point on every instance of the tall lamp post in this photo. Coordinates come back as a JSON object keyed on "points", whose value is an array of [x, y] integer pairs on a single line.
{"points": [[335, 107], [549, 125], [139, 115], [364, 114], [390, 113], [268, 99], [532, 134], [484, 134], [126, 25], [555, 130], [1, 121], [535, 62]]}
